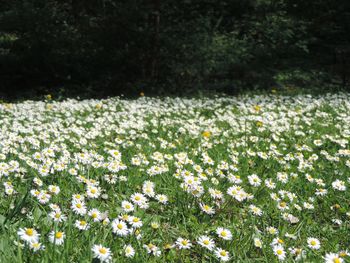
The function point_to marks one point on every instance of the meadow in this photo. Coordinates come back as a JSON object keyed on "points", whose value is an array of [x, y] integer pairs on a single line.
{"points": [[261, 178]]}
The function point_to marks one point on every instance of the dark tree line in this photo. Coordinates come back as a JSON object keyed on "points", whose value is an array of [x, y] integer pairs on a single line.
{"points": [[109, 47]]}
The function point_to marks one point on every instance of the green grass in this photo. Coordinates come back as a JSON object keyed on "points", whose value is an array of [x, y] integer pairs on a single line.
{"points": [[224, 141]]}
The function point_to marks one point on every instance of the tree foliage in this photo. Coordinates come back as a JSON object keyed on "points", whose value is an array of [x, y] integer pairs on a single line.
{"points": [[114, 47]]}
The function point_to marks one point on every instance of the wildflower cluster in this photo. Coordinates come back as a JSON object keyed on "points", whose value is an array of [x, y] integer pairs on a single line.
{"points": [[176, 180]]}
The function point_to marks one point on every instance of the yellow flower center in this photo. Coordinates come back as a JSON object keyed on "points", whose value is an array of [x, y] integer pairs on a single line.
{"points": [[30, 232], [102, 250], [206, 134], [223, 253], [279, 252], [59, 235], [313, 243], [206, 242], [223, 234], [150, 246], [336, 260], [120, 226]]}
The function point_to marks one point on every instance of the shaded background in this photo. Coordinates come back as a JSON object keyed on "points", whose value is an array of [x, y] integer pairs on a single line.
{"points": [[98, 48]]}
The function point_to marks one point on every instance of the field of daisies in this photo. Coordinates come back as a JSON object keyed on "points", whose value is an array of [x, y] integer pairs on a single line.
{"points": [[260, 178]]}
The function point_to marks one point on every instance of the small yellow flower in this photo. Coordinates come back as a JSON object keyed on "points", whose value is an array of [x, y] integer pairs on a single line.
{"points": [[259, 123], [154, 225], [59, 235], [257, 108], [167, 246], [29, 231], [206, 134]]}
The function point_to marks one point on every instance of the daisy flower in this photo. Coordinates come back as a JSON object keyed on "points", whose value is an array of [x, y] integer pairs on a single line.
{"points": [[254, 180], [152, 249], [183, 243], [206, 242], [135, 222], [333, 258], [29, 235], [224, 233], [79, 207], [95, 214], [313, 243], [36, 246], [127, 206], [279, 251], [56, 238], [222, 254], [57, 216], [257, 242], [102, 253], [163, 199], [129, 251], [119, 227], [81, 225], [207, 209], [138, 198]]}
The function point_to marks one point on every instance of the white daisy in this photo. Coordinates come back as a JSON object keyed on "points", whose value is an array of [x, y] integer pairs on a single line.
{"points": [[224, 233], [102, 253], [119, 227], [206, 242]]}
